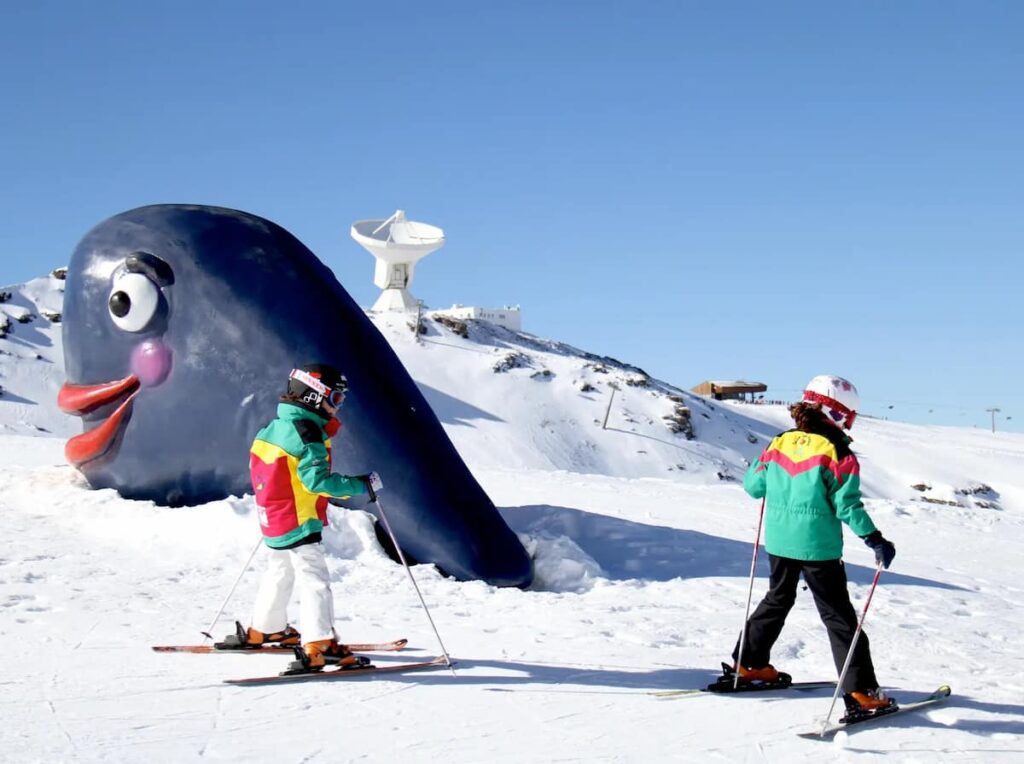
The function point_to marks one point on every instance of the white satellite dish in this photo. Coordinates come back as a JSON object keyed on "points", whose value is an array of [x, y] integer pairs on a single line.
{"points": [[398, 244]]}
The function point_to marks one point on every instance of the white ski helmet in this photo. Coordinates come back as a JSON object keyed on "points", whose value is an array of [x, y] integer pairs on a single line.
{"points": [[838, 398]]}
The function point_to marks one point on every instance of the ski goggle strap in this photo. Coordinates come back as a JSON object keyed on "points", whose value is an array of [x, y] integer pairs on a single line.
{"points": [[847, 416]]}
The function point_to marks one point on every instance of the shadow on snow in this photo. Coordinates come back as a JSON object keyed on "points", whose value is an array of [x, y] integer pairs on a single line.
{"points": [[620, 680], [630, 550], [1009, 724], [451, 410]]}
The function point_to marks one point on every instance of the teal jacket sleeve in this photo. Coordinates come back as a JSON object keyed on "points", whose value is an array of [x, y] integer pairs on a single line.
{"points": [[315, 474], [755, 479], [846, 497]]}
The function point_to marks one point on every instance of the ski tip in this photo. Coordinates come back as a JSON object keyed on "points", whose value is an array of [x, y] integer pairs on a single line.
{"points": [[663, 694], [944, 691]]}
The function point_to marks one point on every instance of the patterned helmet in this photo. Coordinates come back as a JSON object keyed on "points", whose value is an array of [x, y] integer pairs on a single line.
{"points": [[315, 384], [838, 398]]}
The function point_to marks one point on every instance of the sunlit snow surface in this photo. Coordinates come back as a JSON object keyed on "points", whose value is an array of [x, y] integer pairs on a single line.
{"points": [[642, 543]]}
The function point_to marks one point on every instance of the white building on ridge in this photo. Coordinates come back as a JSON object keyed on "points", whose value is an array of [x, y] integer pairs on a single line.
{"points": [[511, 317]]}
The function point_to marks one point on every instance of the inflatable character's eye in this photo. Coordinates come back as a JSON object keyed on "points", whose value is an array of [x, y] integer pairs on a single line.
{"points": [[133, 301]]}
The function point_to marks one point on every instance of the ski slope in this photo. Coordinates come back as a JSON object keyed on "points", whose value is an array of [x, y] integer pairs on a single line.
{"points": [[641, 540]]}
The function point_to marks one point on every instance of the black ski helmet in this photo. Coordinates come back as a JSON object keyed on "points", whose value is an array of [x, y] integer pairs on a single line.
{"points": [[315, 383]]}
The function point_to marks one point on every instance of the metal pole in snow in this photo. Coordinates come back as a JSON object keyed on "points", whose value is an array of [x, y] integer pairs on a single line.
{"points": [[604, 424], [993, 412], [224, 604], [750, 592], [401, 555], [853, 644]]}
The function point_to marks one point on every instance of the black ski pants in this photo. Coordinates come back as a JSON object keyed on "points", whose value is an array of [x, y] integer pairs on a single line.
{"points": [[827, 581]]}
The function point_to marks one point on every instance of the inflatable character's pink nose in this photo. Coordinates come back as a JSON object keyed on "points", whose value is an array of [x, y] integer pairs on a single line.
{"points": [[151, 362]]}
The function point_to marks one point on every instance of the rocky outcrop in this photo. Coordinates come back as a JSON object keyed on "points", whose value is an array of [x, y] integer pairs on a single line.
{"points": [[454, 325], [514, 360]]}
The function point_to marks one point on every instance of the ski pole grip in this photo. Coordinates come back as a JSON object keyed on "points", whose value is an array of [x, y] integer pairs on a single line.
{"points": [[370, 492]]}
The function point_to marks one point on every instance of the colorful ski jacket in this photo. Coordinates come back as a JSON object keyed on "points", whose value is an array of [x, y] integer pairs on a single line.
{"points": [[290, 466], [811, 485]]}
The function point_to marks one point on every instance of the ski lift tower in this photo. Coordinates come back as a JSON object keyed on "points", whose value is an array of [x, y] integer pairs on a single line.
{"points": [[398, 244]]}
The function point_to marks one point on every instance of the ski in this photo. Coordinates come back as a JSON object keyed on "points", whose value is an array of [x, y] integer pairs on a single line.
{"points": [[830, 731], [350, 673], [365, 647], [718, 689]]}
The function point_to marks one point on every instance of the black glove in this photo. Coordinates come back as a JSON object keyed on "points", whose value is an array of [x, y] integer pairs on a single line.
{"points": [[885, 551]]}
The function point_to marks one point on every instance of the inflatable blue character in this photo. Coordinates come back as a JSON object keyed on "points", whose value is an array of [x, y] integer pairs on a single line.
{"points": [[180, 322]]}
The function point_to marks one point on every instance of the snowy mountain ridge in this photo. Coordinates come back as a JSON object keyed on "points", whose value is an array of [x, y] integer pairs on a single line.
{"points": [[550, 397], [32, 357], [512, 400]]}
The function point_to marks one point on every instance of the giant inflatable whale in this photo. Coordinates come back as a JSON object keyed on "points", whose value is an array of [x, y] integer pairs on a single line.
{"points": [[181, 324]]}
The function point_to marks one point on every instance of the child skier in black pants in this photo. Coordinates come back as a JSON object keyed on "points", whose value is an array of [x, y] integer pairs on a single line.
{"points": [[811, 484]]}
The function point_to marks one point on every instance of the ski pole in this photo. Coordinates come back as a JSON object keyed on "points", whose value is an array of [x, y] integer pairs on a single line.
{"points": [[224, 604], [853, 645], [750, 593], [374, 499]]}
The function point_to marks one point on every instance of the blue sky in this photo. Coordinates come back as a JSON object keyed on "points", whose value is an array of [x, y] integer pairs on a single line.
{"points": [[706, 190]]}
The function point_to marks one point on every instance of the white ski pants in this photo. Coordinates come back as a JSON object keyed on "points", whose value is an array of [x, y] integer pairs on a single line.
{"points": [[306, 566]]}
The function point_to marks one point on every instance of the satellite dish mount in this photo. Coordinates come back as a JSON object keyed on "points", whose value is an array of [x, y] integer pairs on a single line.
{"points": [[397, 244]]}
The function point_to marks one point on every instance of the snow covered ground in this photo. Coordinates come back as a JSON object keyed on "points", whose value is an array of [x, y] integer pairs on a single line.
{"points": [[642, 542]]}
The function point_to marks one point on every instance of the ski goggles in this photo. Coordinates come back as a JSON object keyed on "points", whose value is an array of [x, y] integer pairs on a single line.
{"points": [[337, 393], [336, 396], [835, 410]]}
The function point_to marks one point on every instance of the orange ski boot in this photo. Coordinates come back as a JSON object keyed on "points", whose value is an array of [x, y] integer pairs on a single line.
{"points": [[766, 674], [864, 703], [253, 639]]}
